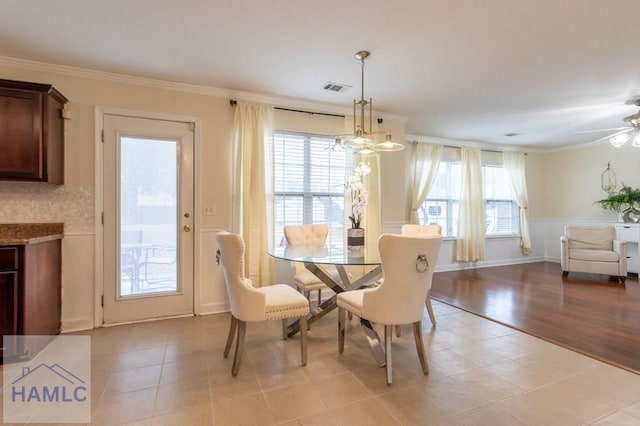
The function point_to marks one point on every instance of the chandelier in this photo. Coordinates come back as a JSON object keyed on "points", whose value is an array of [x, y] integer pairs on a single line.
{"points": [[631, 134], [361, 140]]}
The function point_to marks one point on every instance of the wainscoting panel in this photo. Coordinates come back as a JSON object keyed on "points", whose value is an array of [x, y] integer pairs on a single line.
{"points": [[554, 229], [78, 283], [498, 250], [213, 294]]}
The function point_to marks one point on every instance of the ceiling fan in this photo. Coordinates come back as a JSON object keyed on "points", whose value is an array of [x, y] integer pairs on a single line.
{"points": [[629, 133]]}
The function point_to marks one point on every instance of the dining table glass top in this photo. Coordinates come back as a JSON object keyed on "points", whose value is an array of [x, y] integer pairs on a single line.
{"points": [[327, 255]]}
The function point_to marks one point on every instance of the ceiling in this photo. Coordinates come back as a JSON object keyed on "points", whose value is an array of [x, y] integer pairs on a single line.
{"points": [[555, 72]]}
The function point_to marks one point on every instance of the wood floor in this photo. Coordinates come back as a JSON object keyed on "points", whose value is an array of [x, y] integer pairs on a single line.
{"points": [[588, 313]]}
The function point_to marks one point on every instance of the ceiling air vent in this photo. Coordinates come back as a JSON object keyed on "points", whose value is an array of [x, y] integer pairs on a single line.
{"points": [[335, 87]]}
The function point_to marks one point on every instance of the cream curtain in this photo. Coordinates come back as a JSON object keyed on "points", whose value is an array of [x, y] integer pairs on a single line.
{"points": [[426, 159], [514, 165], [471, 226], [253, 187]]}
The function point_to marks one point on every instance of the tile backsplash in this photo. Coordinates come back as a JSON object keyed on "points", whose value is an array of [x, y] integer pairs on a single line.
{"points": [[33, 202]]}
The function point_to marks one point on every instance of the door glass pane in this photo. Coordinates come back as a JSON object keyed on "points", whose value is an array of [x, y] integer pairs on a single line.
{"points": [[148, 214]]}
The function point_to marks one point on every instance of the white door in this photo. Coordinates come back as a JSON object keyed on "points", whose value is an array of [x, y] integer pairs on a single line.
{"points": [[148, 218]]}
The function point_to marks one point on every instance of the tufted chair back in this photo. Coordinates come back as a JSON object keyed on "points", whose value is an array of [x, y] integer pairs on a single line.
{"points": [[407, 266], [247, 304], [423, 231], [303, 235]]}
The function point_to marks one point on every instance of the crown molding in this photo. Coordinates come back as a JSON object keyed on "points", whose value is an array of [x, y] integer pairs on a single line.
{"points": [[279, 101], [489, 146]]}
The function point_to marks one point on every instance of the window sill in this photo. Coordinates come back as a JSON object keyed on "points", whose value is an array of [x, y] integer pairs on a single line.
{"points": [[490, 237]]}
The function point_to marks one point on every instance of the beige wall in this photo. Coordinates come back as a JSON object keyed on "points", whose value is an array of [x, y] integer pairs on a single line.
{"points": [[394, 175], [571, 179], [535, 172]]}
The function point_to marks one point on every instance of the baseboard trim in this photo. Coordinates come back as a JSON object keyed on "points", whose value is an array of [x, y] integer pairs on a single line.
{"points": [[77, 324], [460, 266], [214, 308]]}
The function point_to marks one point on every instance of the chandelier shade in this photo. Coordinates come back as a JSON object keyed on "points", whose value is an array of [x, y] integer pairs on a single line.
{"points": [[362, 139]]}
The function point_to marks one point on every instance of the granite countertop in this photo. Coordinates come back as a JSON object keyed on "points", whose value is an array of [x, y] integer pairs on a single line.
{"points": [[29, 233]]}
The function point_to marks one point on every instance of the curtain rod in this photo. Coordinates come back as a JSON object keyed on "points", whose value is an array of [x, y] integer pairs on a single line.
{"points": [[459, 147], [233, 102], [485, 150]]}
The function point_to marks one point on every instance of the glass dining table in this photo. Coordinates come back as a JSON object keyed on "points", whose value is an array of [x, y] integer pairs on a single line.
{"points": [[316, 259]]}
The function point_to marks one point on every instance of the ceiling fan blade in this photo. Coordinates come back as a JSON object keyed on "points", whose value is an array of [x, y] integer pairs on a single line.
{"points": [[611, 129], [626, 130]]}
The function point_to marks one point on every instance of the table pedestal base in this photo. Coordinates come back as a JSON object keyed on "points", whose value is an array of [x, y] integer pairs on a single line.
{"points": [[330, 304]]}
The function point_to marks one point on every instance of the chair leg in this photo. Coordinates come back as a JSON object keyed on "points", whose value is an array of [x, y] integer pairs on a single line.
{"points": [[307, 295], [398, 330], [232, 332], [319, 296], [388, 332], [242, 329], [285, 324], [341, 318], [621, 279], [427, 302], [565, 274], [303, 339], [417, 335]]}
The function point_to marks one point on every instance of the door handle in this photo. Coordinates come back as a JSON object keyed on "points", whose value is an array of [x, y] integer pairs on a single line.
{"points": [[187, 228]]}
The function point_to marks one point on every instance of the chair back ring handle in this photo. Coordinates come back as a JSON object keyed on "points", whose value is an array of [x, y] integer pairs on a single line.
{"points": [[422, 263]]}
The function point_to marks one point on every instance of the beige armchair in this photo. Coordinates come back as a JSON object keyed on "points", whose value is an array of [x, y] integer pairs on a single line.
{"points": [[278, 301], [407, 266], [593, 250]]}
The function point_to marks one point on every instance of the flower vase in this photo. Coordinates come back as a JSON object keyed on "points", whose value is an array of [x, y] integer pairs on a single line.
{"points": [[355, 240], [631, 215]]}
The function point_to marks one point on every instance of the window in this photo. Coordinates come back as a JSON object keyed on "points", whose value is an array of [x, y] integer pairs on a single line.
{"points": [[500, 209], [442, 204], [308, 183]]}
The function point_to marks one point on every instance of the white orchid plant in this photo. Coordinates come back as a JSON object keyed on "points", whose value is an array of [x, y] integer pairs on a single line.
{"points": [[359, 194]]}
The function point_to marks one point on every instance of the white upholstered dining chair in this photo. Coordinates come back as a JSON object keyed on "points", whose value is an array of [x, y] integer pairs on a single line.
{"points": [[307, 235], [426, 231], [407, 268], [278, 301]]}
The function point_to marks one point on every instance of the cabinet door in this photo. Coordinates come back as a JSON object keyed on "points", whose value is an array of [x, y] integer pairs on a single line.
{"points": [[9, 302], [21, 135]]}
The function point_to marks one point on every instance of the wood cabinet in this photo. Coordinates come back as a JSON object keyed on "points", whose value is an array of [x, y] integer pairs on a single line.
{"points": [[30, 292], [31, 132]]}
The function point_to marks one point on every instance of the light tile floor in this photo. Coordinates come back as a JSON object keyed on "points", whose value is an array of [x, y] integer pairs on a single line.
{"points": [[172, 372]]}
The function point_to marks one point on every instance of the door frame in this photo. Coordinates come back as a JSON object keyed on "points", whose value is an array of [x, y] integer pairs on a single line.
{"points": [[100, 112]]}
